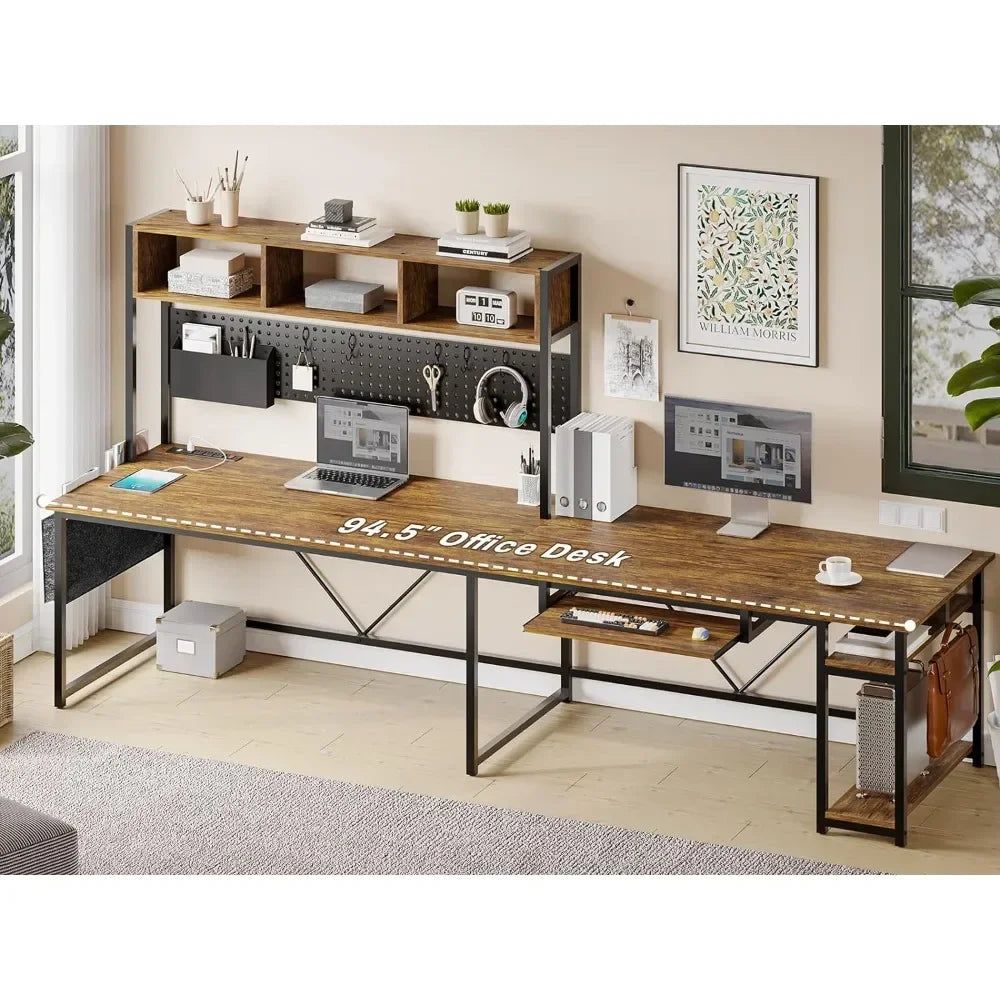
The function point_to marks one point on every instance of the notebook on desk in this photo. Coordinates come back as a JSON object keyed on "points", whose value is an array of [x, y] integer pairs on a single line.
{"points": [[923, 559]]}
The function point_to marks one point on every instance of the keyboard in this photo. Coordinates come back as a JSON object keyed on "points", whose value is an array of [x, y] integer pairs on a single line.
{"points": [[613, 620], [345, 478]]}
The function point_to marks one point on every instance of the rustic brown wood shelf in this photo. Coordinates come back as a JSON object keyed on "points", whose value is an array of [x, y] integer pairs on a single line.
{"points": [[416, 306], [676, 639], [247, 302], [878, 810], [875, 666], [872, 666]]}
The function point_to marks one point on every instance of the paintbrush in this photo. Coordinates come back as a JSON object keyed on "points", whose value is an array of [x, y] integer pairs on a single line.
{"points": [[239, 180], [191, 197]]}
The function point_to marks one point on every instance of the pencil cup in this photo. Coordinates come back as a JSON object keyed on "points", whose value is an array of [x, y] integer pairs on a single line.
{"points": [[229, 208], [199, 213], [527, 490]]}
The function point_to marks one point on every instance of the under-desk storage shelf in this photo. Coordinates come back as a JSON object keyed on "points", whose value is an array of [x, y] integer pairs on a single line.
{"points": [[676, 639], [220, 378], [876, 809]]}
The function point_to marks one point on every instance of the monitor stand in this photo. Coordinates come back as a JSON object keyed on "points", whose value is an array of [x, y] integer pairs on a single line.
{"points": [[749, 516]]}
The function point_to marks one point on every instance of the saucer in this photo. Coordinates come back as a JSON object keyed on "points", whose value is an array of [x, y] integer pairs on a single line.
{"points": [[851, 580]]}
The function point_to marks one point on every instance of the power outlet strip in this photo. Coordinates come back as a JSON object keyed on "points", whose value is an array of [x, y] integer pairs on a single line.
{"points": [[926, 517]]}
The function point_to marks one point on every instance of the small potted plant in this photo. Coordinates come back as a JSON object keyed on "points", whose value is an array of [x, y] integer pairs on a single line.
{"points": [[497, 218], [467, 217]]}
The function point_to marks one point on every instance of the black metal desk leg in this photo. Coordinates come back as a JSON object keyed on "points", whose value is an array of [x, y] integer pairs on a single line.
{"points": [[566, 668], [977, 620], [169, 575], [899, 738], [472, 675], [59, 612], [822, 729]]}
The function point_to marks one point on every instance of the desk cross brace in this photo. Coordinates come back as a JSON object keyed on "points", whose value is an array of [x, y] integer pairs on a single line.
{"points": [[363, 633]]}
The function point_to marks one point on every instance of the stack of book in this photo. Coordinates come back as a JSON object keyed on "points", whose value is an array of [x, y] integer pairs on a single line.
{"points": [[502, 249], [359, 231]]}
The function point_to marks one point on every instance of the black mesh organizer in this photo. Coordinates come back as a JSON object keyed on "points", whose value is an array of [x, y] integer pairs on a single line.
{"points": [[387, 367]]}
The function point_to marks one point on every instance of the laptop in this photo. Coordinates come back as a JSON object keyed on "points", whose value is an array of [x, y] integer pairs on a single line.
{"points": [[361, 449]]}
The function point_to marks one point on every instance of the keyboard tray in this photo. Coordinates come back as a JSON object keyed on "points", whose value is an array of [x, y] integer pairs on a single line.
{"points": [[676, 639]]}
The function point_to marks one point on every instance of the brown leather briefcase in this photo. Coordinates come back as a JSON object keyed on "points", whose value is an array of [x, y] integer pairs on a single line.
{"points": [[953, 689]]}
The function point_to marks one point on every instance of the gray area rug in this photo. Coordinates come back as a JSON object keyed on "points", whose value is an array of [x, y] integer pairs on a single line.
{"points": [[149, 812]]}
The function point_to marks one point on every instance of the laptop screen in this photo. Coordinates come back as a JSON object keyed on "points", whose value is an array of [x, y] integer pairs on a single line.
{"points": [[361, 435]]}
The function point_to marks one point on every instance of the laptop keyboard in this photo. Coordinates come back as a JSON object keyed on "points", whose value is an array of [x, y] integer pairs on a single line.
{"points": [[352, 478]]}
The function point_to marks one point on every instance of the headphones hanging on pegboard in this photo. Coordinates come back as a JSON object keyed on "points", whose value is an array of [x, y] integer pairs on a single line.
{"points": [[483, 409]]}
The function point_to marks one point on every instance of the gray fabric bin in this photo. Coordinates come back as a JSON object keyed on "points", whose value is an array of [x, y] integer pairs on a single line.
{"points": [[201, 639]]}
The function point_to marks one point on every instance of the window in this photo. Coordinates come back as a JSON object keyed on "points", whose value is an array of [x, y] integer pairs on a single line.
{"points": [[941, 206], [15, 350]]}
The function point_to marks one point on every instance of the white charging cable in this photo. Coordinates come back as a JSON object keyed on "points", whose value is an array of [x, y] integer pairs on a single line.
{"points": [[203, 468]]}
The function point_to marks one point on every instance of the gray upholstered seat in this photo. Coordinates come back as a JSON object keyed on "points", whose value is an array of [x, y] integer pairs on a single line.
{"points": [[32, 843]]}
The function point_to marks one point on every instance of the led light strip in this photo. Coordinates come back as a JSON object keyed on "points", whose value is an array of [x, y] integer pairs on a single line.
{"points": [[909, 625]]}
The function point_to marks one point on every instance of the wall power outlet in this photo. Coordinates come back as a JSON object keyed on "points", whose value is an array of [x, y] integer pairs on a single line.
{"points": [[927, 517]]}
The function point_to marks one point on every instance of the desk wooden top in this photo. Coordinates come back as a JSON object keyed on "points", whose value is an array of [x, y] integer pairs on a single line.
{"points": [[663, 553]]}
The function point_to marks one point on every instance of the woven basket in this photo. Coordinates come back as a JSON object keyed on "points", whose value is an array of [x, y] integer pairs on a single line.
{"points": [[6, 678]]}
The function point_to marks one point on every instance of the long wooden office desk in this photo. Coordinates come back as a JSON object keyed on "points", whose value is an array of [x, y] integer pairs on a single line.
{"points": [[670, 558]]}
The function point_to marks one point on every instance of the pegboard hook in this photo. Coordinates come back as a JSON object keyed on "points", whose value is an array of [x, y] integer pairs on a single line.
{"points": [[352, 343], [466, 355], [506, 359], [437, 352]]}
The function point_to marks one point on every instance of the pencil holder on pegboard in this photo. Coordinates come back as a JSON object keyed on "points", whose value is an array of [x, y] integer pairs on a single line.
{"points": [[387, 367]]}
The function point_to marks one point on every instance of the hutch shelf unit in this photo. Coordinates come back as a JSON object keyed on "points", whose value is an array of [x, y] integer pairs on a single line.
{"points": [[153, 246]]}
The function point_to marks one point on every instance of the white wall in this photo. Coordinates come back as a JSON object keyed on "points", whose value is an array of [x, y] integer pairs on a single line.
{"points": [[609, 193]]}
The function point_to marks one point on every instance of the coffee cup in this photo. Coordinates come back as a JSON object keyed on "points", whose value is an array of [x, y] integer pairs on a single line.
{"points": [[836, 569]]}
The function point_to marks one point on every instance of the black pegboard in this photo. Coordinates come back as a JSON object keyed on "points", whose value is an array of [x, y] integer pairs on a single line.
{"points": [[387, 367]]}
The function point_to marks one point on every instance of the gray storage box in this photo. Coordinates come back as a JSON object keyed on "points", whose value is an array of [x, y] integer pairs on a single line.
{"points": [[345, 296], [201, 639]]}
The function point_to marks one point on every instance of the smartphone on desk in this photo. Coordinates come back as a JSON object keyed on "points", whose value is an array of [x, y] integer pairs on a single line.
{"points": [[147, 481]]}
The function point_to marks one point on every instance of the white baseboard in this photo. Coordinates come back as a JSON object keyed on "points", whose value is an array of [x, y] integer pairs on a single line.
{"points": [[24, 641], [134, 616]]}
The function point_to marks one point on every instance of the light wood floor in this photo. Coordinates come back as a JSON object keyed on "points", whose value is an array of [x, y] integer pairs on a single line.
{"points": [[674, 776]]}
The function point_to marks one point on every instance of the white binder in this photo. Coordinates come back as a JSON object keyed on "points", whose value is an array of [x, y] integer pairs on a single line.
{"points": [[595, 473]]}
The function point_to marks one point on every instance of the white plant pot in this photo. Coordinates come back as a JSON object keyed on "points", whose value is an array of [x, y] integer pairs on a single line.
{"points": [[993, 725], [467, 223], [199, 213], [496, 225], [229, 208], [995, 689]]}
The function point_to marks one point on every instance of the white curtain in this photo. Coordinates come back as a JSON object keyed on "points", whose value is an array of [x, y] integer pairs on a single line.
{"points": [[72, 290]]}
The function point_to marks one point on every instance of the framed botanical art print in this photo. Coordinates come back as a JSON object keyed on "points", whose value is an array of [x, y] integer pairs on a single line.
{"points": [[747, 264]]}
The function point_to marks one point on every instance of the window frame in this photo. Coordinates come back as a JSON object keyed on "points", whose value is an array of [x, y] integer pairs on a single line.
{"points": [[16, 569], [899, 474]]}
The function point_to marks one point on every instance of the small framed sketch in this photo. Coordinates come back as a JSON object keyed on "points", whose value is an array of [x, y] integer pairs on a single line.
{"points": [[747, 264], [631, 357]]}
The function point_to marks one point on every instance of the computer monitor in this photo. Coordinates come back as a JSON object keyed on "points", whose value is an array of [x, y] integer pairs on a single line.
{"points": [[755, 453], [358, 434]]}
